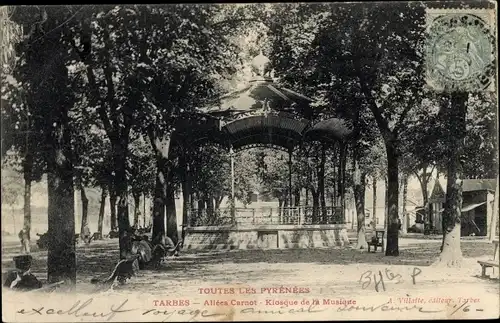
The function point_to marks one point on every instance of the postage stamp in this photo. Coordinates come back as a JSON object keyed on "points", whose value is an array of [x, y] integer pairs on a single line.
{"points": [[460, 49], [249, 162]]}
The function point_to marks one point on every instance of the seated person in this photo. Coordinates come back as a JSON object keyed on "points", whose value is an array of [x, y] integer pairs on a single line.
{"points": [[86, 234], [21, 278], [168, 243]]}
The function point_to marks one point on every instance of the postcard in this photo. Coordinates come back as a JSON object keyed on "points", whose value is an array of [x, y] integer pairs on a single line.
{"points": [[250, 162]]}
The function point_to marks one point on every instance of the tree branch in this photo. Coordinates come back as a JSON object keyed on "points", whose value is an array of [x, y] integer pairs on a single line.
{"points": [[377, 112], [86, 58], [236, 21], [108, 75], [402, 117]]}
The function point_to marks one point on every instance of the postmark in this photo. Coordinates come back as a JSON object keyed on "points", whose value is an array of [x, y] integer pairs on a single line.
{"points": [[460, 50]]}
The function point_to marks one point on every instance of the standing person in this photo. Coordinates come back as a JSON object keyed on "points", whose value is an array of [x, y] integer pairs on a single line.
{"points": [[25, 241]]}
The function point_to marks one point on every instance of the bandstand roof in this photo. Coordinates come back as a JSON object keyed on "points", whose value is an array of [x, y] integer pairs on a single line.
{"points": [[264, 113], [262, 94], [276, 130], [328, 130]]}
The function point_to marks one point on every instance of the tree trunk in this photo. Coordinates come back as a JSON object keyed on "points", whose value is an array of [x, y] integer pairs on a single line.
{"points": [[392, 248], [315, 211], [159, 206], [359, 198], [424, 181], [386, 203], [120, 150], [374, 207], [280, 206], [404, 226], [335, 177], [210, 204], [61, 259], [172, 231], [144, 224], [451, 253], [218, 201], [201, 205], [101, 211], [321, 184], [495, 214], [137, 209], [186, 201], [191, 200], [162, 150], [342, 180], [27, 170], [112, 206], [13, 218], [85, 211]]}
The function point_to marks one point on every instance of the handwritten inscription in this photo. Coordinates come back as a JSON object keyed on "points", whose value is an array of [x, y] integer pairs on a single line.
{"points": [[80, 310], [190, 314], [378, 279], [386, 307], [283, 310]]}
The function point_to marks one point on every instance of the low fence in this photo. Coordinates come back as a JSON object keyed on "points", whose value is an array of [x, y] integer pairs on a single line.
{"points": [[265, 216]]}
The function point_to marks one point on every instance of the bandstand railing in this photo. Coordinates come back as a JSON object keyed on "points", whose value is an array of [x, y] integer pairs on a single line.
{"points": [[298, 215]]}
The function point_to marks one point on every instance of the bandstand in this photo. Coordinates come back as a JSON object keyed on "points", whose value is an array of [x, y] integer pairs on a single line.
{"points": [[265, 114]]}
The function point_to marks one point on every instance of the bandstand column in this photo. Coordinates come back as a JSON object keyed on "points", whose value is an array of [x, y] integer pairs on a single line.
{"points": [[290, 197], [343, 157], [231, 154]]}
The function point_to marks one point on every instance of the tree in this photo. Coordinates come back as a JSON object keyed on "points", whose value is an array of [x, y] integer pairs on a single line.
{"points": [[43, 72], [359, 180], [421, 152], [11, 190], [141, 171], [83, 162], [133, 56], [273, 172], [382, 60], [191, 69], [22, 126], [396, 73], [101, 176], [211, 178], [455, 109], [480, 151]]}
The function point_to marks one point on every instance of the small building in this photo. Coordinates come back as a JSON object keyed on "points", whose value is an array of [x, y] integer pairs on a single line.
{"points": [[478, 197]]}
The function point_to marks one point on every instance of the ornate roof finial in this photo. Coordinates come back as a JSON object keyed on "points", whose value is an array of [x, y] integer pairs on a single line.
{"points": [[260, 65]]}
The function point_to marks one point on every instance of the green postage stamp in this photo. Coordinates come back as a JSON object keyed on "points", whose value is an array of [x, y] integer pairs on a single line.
{"points": [[460, 49]]}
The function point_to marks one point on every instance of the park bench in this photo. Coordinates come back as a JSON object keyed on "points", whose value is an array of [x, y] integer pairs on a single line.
{"points": [[377, 241], [490, 263]]}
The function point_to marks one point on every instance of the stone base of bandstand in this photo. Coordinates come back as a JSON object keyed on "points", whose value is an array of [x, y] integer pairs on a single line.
{"points": [[263, 237]]}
